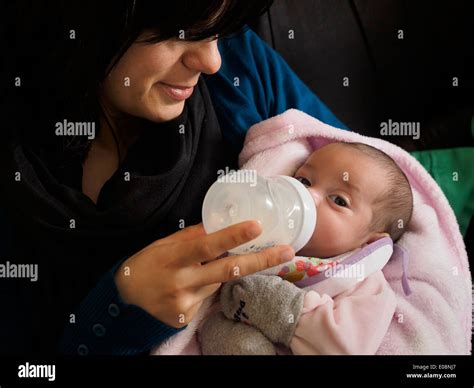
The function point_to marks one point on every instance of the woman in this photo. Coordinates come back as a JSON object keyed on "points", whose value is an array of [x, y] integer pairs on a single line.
{"points": [[112, 198]]}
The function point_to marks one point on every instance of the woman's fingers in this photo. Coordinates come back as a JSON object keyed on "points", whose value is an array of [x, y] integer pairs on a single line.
{"points": [[192, 313], [198, 296], [208, 247], [233, 267], [203, 292]]}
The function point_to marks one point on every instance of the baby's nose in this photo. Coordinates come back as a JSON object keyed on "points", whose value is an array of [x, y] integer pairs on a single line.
{"points": [[317, 197]]}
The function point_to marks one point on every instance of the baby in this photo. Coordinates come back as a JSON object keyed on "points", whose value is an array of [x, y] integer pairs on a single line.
{"points": [[361, 195]]}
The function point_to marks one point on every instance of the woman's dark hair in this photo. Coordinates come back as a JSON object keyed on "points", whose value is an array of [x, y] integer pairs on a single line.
{"points": [[62, 50]]}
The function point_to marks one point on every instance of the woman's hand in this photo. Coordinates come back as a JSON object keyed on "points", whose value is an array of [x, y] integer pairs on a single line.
{"points": [[168, 278]]}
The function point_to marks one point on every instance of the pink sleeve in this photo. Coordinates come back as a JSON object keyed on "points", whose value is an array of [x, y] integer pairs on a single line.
{"points": [[354, 322]]}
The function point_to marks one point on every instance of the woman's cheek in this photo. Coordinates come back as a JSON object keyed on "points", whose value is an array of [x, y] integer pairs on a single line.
{"points": [[140, 98]]}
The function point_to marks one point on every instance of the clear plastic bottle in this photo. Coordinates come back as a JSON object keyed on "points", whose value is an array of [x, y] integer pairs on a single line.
{"points": [[282, 204]]}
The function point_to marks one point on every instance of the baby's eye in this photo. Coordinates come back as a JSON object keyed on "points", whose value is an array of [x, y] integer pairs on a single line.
{"points": [[338, 200], [303, 180]]}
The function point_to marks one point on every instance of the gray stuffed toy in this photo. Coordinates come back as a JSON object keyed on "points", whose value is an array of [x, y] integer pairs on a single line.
{"points": [[258, 311]]}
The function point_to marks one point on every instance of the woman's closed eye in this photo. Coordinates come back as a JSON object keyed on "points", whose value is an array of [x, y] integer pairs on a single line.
{"points": [[338, 200], [303, 180]]}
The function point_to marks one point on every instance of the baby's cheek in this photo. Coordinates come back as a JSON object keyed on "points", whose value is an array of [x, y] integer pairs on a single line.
{"points": [[328, 231], [333, 235], [328, 226]]}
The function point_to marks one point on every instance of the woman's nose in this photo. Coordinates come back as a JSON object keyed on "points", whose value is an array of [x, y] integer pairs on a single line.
{"points": [[204, 57]]}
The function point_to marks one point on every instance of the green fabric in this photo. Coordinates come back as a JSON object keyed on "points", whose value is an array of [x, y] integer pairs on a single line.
{"points": [[453, 170]]}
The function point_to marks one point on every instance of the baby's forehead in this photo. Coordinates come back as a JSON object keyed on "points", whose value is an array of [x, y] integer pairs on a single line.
{"points": [[336, 150], [341, 161]]}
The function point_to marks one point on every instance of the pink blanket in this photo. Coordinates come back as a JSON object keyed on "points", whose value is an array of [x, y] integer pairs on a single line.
{"points": [[436, 318]]}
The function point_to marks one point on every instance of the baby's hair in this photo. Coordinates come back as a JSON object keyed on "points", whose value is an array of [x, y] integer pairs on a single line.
{"points": [[394, 206]]}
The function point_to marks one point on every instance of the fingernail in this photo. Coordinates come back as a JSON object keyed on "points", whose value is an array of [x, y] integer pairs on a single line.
{"points": [[287, 254], [254, 230]]}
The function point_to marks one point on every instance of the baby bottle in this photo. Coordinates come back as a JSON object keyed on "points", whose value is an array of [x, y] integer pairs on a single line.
{"points": [[282, 204]]}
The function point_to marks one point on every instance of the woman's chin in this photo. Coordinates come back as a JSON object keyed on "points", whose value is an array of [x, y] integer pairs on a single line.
{"points": [[166, 113]]}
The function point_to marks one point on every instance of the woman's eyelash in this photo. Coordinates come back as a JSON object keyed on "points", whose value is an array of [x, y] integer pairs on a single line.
{"points": [[212, 38]]}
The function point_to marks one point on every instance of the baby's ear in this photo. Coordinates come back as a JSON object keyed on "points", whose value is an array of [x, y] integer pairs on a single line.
{"points": [[376, 236]]}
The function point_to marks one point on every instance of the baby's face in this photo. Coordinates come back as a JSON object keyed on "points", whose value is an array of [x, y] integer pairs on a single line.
{"points": [[344, 182]]}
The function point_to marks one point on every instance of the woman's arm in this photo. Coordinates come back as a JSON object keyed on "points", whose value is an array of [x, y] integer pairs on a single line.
{"points": [[254, 83], [143, 299], [156, 292], [102, 324], [105, 324]]}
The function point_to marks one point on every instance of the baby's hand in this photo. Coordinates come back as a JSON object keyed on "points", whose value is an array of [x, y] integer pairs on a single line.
{"points": [[269, 303]]}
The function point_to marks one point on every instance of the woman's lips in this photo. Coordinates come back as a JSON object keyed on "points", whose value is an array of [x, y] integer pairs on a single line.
{"points": [[178, 93]]}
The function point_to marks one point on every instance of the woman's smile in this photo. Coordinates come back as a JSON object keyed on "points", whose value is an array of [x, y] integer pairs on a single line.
{"points": [[176, 92]]}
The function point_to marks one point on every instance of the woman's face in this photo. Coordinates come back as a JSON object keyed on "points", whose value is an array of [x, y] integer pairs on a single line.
{"points": [[152, 81]]}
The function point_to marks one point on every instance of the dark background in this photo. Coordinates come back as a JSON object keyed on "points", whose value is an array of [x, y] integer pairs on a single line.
{"points": [[405, 80]]}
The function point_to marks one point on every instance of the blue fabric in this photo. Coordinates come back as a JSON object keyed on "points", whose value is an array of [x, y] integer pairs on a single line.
{"points": [[254, 83], [104, 324]]}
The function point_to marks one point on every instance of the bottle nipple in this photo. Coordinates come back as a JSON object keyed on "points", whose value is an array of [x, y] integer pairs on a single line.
{"points": [[233, 210]]}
